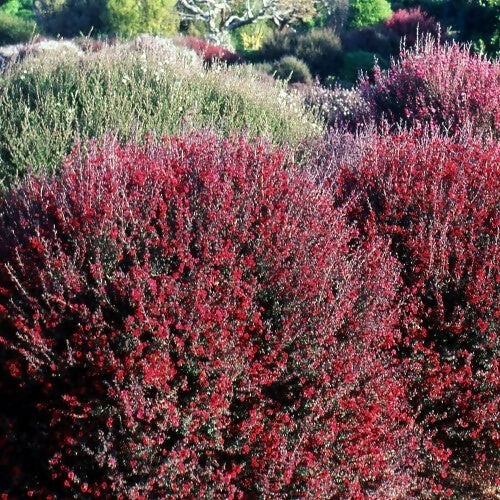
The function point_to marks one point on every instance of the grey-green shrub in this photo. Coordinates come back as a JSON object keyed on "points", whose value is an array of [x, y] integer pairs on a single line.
{"points": [[132, 91], [292, 70], [278, 44], [321, 50]]}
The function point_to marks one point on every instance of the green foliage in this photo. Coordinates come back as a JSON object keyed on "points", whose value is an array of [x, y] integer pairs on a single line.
{"points": [[354, 62], [18, 8], [132, 17], [278, 44], [69, 18], [369, 12], [293, 70], [45, 103], [321, 50], [15, 29], [250, 38], [124, 17], [478, 21]]}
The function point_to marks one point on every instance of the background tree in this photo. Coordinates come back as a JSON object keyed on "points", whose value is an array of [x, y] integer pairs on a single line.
{"points": [[70, 17], [369, 12], [132, 17], [223, 16], [18, 8], [115, 17]]}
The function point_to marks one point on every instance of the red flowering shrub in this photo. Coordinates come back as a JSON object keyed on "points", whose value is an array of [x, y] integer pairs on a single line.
{"points": [[410, 23], [208, 52], [195, 319], [437, 201], [445, 87]]}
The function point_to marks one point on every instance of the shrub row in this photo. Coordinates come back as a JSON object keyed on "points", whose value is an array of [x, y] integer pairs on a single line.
{"points": [[148, 86], [196, 318], [436, 201], [201, 317], [443, 87], [328, 55], [440, 87]]}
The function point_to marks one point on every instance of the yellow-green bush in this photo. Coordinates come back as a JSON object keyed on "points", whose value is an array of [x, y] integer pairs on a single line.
{"points": [[15, 29], [132, 17]]}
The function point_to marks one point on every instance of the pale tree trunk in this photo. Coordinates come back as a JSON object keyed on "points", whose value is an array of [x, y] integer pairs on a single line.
{"points": [[220, 17]]}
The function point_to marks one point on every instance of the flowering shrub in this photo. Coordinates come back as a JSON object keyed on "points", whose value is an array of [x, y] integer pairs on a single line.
{"points": [[208, 52], [445, 87], [194, 318], [410, 23], [132, 89], [337, 106], [436, 200]]}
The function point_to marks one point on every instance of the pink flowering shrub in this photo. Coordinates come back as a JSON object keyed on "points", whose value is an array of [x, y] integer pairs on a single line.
{"points": [[444, 87], [436, 200], [196, 318], [410, 23], [208, 52]]}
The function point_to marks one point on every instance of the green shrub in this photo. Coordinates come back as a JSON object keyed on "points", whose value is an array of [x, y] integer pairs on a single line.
{"points": [[376, 39], [132, 17], [18, 8], [354, 62], [264, 68], [293, 70], [321, 50], [46, 102], [369, 12], [69, 18], [278, 44], [15, 29]]}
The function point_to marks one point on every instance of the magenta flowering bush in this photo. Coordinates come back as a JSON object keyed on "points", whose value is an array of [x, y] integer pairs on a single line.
{"points": [[435, 199], [208, 52], [196, 318], [444, 87], [411, 23]]}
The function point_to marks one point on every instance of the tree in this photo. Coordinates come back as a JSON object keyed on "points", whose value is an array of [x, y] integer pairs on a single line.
{"points": [[369, 12], [222, 16], [122, 17], [132, 17], [70, 17], [18, 8]]}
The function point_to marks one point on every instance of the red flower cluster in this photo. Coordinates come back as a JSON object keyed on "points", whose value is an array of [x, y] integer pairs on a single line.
{"points": [[197, 318], [208, 52], [441, 86], [436, 202], [410, 23]]}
